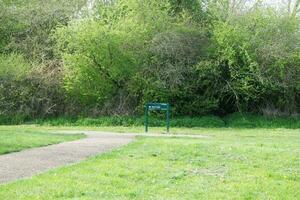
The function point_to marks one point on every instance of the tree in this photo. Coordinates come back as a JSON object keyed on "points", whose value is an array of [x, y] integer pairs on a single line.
{"points": [[293, 7], [112, 56], [26, 27]]}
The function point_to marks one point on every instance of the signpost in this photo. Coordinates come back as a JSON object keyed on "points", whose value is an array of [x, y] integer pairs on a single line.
{"points": [[157, 106]]}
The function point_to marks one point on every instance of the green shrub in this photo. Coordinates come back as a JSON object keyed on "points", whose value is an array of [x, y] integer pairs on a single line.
{"points": [[14, 120], [28, 91], [154, 121], [206, 121], [248, 120], [236, 120]]}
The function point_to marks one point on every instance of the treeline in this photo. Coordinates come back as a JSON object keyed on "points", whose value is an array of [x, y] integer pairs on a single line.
{"points": [[236, 120], [96, 58]]}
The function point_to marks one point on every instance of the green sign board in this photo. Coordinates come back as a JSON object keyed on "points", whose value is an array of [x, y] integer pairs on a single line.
{"points": [[157, 106]]}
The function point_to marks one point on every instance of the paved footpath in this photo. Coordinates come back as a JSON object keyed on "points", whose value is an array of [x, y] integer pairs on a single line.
{"points": [[30, 162]]}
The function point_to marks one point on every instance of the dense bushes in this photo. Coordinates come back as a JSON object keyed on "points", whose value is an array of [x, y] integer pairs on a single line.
{"points": [[236, 120], [27, 93], [254, 48], [103, 58], [13, 71], [30, 72], [211, 66]]}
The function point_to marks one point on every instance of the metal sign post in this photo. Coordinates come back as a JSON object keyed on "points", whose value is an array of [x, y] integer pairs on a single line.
{"points": [[157, 106]]}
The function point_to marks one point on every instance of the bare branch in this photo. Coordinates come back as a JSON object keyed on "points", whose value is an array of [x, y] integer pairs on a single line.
{"points": [[296, 8], [289, 6]]}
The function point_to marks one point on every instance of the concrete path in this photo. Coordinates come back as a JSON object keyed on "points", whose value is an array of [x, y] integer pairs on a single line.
{"points": [[30, 162], [34, 161], [134, 134]]}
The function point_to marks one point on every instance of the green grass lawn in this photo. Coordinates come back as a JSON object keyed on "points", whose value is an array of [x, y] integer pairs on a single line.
{"points": [[230, 164], [14, 139]]}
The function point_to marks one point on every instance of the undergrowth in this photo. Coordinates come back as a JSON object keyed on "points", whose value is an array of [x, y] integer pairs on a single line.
{"points": [[236, 120]]}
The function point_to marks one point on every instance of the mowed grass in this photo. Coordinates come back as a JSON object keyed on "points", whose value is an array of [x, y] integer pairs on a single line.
{"points": [[15, 139], [229, 164]]}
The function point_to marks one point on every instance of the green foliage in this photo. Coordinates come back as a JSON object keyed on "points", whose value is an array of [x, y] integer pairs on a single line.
{"points": [[236, 120], [240, 73], [250, 49], [12, 119], [170, 74], [30, 74], [26, 92], [26, 26], [208, 121], [205, 122], [97, 58], [247, 120], [94, 54], [103, 50], [13, 67]]}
